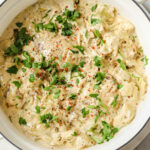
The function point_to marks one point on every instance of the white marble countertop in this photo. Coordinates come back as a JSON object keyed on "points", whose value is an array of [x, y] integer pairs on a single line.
{"points": [[144, 145]]}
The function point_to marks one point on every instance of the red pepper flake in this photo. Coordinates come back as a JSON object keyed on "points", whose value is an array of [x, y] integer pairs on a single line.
{"points": [[66, 6], [66, 69], [80, 69], [18, 77], [92, 115], [85, 97], [75, 38], [64, 58], [56, 58], [77, 29], [73, 58], [93, 47], [89, 76], [57, 45]]}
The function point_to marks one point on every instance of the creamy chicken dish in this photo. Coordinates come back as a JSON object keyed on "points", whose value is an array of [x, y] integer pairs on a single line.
{"points": [[72, 73]]}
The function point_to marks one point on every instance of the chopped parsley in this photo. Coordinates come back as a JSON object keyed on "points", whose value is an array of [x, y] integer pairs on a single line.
{"points": [[22, 121], [98, 116], [122, 65], [100, 77], [74, 52], [77, 81], [145, 60], [38, 27], [32, 78], [95, 21], [47, 119], [67, 29], [71, 15], [74, 133], [114, 103], [98, 35], [107, 132], [85, 112], [91, 106], [56, 94], [100, 101], [68, 108], [82, 63], [119, 86], [52, 27], [72, 96], [80, 48], [37, 109], [17, 84], [21, 39], [66, 65], [19, 24], [94, 8], [97, 61], [12, 70], [27, 62]]}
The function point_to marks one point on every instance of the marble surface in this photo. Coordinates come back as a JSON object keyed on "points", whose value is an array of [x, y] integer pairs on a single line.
{"points": [[135, 144]]}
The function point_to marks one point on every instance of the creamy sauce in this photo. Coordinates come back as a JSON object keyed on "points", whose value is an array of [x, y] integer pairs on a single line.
{"points": [[107, 63]]}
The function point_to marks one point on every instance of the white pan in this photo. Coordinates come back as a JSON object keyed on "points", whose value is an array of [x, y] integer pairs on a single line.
{"points": [[136, 14]]}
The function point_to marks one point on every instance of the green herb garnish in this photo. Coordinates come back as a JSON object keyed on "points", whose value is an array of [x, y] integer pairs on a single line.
{"points": [[72, 96], [17, 84], [12, 70], [94, 8], [85, 112], [38, 110], [22, 121], [114, 103], [122, 65]]}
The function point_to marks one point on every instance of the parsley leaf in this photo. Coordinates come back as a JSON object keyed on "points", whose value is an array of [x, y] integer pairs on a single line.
{"points": [[84, 112], [100, 77], [56, 93], [75, 52], [32, 78], [145, 59], [37, 108], [80, 48], [71, 15], [38, 26], [67, 29], [119, 86], [52, 27], [100, 101], [68, 108], [19, 24], [122, 65], [74, 134], [17, 84], [22, 121], [12, 70], [21, 39], [81, 64], [98, 62], [27, 62], [107, 132], [47, 119], [99, 115], [94, 8], [95, 21], [114, 103], [72, 96], [77, 81]]}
